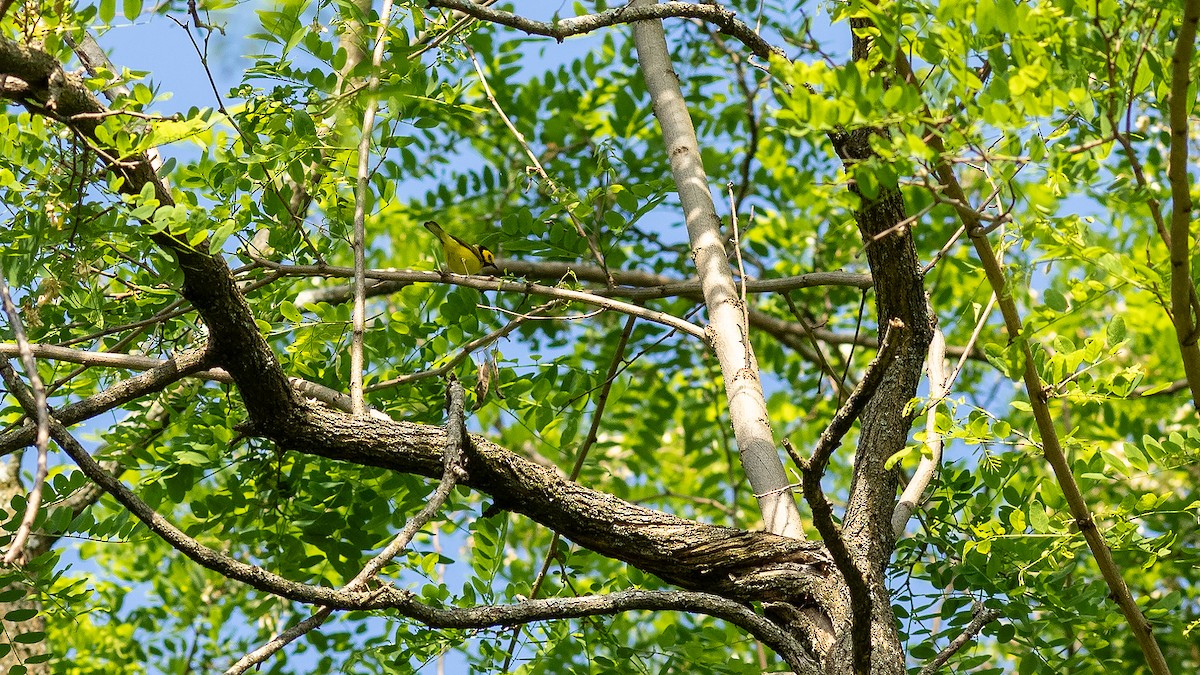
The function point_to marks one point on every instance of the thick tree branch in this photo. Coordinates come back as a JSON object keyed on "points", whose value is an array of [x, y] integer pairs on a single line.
{"points": [[208, 284], [562, 29], [689, 554], [811, 474], [728, 331], [405, 602]]}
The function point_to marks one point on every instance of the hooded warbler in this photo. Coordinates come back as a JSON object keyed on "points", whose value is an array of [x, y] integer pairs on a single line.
{"points": [[462, 257]]}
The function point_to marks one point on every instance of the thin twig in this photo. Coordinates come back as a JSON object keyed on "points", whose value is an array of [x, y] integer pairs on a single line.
{"points": [[466, 349], [361, 194], [1050, 443], [487, 284], [634, 284], [822, 362], [456, 437], [555, 190], [42, 413]]}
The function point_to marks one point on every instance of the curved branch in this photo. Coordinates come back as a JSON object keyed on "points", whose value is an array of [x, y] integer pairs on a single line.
{"points": [[561, 29], [407, 603], [814, 469], [208, 283]]}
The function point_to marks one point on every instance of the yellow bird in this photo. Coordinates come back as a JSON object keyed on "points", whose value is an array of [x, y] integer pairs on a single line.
{"points": [[462, 257]]}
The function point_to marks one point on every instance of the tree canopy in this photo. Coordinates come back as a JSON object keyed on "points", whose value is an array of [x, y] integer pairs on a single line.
{"points": [[843, 337]]}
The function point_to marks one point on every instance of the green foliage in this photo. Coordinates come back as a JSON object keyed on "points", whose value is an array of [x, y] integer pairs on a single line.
{"points": [[1059, 139]]}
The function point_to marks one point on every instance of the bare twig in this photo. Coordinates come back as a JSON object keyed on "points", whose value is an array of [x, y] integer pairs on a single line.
{"points": [[634, 284], [577, 25], [361, 194], [822, 362], [935, 365], [41, 413], [162, 373], [486, 284], [456, 437], [580, 457], [466, 349]]}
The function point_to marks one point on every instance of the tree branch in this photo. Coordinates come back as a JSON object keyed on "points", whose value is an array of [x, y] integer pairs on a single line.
{"points": [[456, 436], [405, 602], [208, 283], [728, 332], [634, 284], [40, 411], [487, 284], [161, 373], [811, 472], [982, 618], [938, 388], [561, 29], [1051, 447], [1183, 287]]}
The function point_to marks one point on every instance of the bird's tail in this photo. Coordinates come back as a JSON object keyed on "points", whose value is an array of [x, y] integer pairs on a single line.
{"points": [[435, 229]]}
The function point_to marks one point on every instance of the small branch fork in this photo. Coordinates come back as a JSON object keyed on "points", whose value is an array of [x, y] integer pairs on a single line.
{"points": [[456, 439], [813, 469], [981, 618]]}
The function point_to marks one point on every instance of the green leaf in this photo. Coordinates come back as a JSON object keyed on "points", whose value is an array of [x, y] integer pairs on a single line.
{"points": [[19, 615], [1115, 334], [1055, 300], [132, 9]]}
